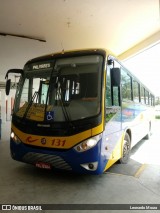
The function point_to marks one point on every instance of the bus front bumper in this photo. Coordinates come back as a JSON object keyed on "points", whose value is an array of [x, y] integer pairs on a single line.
{"points": [[87, 162]]}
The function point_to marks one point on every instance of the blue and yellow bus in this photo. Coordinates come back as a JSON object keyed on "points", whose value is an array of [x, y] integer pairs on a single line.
{"points": [[80, 111]]}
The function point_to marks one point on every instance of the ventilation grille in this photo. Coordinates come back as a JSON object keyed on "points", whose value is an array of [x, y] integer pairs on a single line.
{"points": [[55, 161]]}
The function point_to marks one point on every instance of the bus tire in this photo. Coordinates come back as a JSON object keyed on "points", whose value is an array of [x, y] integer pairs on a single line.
{"points": [[126, 149]]}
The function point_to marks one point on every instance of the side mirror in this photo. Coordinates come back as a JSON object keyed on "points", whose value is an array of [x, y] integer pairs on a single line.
{"points": [[8, 81], [8, 86], [115, 77]]}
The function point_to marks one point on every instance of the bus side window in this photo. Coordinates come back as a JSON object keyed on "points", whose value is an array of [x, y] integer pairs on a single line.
{"points": [[126, 86], [147, 97], [115, 96], [152, 100], [112, 92], [142, 95], [136, 88], [108, 88]]}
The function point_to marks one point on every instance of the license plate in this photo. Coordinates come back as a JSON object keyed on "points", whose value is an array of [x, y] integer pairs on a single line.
{"points": [[43, 165]]}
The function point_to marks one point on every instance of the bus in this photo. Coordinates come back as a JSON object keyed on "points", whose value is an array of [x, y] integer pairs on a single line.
{"points": [[79, 111]]}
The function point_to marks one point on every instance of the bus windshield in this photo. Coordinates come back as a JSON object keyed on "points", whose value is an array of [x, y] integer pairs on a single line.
{"points": [[70, 90]]}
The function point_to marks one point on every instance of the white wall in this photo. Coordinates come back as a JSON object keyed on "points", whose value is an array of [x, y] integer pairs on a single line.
{"points": [[14, 52]]}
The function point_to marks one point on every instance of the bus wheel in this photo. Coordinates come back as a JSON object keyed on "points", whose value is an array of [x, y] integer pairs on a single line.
{"points": [[126, 149]]}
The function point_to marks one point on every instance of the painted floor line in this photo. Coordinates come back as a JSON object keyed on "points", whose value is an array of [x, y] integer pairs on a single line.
{"points": [[118, 174], [140, 170]]}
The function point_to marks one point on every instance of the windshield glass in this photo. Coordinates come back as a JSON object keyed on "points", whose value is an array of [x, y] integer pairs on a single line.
{"points": [[69, 91]]}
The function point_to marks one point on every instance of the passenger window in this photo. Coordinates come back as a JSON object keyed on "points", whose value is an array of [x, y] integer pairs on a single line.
{"points": [[147, 97], [126, 86], [153, 101], [142, 95], [109, 92], [150, 100], [115, 96], [108, 88], [136, 91]]}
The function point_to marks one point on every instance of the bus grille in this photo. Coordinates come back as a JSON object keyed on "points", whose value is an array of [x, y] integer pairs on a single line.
{"points": [[55, 161]]}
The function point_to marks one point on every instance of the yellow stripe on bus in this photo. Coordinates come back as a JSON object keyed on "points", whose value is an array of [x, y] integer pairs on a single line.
{"points": [[64, 142]]}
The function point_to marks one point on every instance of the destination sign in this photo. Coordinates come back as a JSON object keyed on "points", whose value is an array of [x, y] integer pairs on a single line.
{"points": [[41, 66]]}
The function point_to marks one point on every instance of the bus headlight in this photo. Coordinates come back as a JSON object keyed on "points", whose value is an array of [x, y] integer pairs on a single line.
{"points": [[88, 144], [15, 138]]}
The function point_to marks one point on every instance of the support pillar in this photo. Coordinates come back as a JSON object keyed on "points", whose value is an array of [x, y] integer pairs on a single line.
{"points": [[3, 106]]}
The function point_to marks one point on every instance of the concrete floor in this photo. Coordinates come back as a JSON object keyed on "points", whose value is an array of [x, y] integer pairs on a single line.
{"points": [[138, 182]]}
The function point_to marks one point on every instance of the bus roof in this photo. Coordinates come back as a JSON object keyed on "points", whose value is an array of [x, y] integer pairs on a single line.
{"points": [[69, 53]]}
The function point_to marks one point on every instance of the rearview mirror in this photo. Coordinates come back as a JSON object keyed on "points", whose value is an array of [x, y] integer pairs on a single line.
{"points": [[8, 86], [115, 77], [8, 81]]}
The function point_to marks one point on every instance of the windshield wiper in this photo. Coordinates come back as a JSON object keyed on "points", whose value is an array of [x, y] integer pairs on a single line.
{"points": [[35, 95], [64, 109]]}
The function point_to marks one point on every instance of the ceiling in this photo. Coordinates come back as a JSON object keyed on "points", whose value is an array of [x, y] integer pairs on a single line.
{"points": [[117, 25]]}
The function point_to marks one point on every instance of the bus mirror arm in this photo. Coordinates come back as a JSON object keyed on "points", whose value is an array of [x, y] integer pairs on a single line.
{"points": [[19, 71], [8, 86]]}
